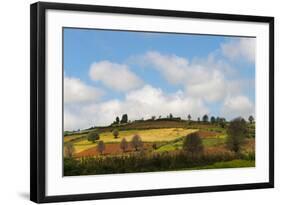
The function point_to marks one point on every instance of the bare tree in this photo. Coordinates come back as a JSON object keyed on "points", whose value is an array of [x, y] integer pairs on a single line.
{"points": [[124, 144], [100, 147], [137, 142]]}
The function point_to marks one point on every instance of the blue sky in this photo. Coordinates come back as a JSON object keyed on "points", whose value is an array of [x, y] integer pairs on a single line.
{"points": [[108, 73]]}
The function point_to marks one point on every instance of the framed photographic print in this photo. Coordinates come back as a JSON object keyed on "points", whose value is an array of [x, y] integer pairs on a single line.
{"points": [[129, 102]]}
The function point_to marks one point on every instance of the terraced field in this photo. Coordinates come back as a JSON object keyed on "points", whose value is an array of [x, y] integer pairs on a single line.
{"points": [[81, 143]]}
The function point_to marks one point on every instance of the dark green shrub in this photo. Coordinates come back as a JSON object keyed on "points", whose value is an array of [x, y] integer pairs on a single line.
{"points": [[192, 144], [93, 136]]}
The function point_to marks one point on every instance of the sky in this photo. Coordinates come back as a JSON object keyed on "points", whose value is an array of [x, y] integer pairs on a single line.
{"points": [[110, 73]]}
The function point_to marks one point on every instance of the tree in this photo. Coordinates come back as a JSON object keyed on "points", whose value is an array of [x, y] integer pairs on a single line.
{"points": [[93, 136], [218, 119], [189, 117], [192, 144], [153, 117], [170, 116], [124, 144], [213, 120], [221, 122], [117, 121], [198, 119], [251, 119], [124, 118], [236, 134], [115, 133], [205, 118], [100, 147], [69, 150], [136, 142]]}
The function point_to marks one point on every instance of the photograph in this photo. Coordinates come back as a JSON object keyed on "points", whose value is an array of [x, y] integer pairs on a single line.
{"points": [[139, 101]]}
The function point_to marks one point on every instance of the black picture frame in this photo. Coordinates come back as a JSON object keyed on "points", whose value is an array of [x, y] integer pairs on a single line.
{"points": [[38, 101]]}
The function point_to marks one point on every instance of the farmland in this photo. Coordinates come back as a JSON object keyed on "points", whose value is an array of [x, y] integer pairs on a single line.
{"points": [[161, 141]]}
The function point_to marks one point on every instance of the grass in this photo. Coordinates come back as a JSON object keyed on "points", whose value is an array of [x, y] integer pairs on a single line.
{"points": [[150, 135], [162, 138], [72, 137], [237, 163], [210, 142]]}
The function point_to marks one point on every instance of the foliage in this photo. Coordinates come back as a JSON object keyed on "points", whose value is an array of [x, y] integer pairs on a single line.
{"points": [[115, 133], [93, 136], [124, 144], [136, 142], [189, 117], [124, 118], [251, 119], [205, 118], [141, 163], [170, 116], [69, 150], [213, 120], [192, 144], [237, 132], [100, 147], [229, 164]]}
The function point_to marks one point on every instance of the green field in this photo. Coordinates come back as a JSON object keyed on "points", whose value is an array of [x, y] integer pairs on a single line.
{"points": [[237, 163], [147, 135], [162, 148]]}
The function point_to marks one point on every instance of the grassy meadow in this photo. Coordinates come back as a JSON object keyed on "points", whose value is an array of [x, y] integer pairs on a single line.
{"points": [[162, 146]]}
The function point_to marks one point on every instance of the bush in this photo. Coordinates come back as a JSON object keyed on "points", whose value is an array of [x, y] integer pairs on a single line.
{"points": [[144, 162], [69, 150], [192, 144], [124, 144], [115, 133], [236, 134], [136, 142], [100, 147], [93, 136]]}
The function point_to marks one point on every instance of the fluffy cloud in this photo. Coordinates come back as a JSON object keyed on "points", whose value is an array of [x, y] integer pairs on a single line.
{"points": [[171, 66], [115, 76], [242, 48], [237, 106], [144, 102], [201, 79], [75, 91]]}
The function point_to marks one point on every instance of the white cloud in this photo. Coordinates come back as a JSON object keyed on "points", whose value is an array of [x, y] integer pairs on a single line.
{"points": [[171, 66], [203, 81], [237, 106], [76, 91], [201, 78], [73, 121], [141, 103], [115, 76], [243, 48]]}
